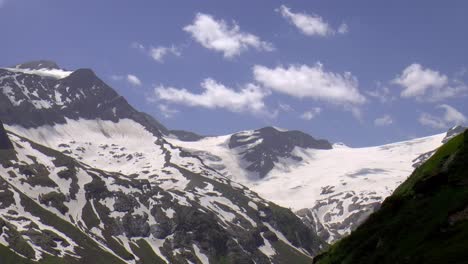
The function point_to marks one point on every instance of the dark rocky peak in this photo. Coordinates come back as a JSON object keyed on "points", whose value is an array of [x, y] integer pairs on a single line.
{"points": [[5, 142], [33, 100], [452, 132], [263, 147], [273, 138], [39, 64]]}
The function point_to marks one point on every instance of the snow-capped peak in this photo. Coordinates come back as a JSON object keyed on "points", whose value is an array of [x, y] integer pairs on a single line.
{"points": [[42, 68]]}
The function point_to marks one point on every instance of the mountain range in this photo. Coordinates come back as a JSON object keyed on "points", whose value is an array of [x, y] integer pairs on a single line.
{"points": [[85, 178]]}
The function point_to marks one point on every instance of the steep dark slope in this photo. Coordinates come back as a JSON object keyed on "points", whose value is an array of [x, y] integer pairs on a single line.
{"points": [[424, 221], [5, 142]]}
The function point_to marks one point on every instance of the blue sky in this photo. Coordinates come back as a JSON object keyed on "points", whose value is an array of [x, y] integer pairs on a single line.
{"points": [[358, 72]]}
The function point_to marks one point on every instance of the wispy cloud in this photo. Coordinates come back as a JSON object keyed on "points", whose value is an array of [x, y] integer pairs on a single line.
{"points": [[217, 35], [311, 24], [311, 114], [385, 120], [166, 111], [157, 53], [160, 52], [248, 98], [450, 117], [381, 93], [426, 84], [130, 78]]}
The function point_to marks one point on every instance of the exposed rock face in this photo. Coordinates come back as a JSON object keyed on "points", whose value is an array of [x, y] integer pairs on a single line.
{"points": [[5, 142], [263, 147]]}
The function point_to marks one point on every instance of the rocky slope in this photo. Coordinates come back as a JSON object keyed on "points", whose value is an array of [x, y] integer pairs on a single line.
{"points": [[424, 221], [92, 179]]}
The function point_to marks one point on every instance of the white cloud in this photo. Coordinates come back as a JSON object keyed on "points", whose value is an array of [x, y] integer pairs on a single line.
{"points": [[157, 53], [385, 120], [428, 85], [309, 115], [215, 95], [343, 28], [310, 24], [160, 52], [381, 93], [311, 81], [426, 119], [450, 117], [137, 45], [116, 77], [130, 78], [219, 36], [166, 111], [285, 107], [133, 80]]}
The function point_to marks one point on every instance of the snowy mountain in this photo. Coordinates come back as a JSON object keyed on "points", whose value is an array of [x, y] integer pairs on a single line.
{"points": [[86, 176], [90, 179], [333, 189]]}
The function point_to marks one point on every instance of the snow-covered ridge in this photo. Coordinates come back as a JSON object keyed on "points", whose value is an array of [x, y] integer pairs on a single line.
{"points": [[44, 72], [365, 176]]}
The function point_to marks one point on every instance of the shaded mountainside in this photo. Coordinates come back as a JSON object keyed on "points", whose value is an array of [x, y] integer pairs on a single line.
{"points": [[424, 221], [5, 142]]}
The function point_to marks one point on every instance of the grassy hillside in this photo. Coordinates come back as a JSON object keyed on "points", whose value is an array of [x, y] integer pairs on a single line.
{"points": [[424, 221]]}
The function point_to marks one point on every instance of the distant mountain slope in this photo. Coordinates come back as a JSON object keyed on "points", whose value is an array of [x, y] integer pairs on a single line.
{"points": [[331, 189], [424, 221]]}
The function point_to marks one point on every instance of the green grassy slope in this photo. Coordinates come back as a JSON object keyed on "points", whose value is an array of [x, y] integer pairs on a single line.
{"points": [[424, 221]]}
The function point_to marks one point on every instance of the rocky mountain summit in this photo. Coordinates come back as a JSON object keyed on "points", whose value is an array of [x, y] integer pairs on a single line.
{"points": [[261, 149]]}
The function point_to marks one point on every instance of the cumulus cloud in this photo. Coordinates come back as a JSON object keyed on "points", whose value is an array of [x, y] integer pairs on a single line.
{"points": [[219, 36], [426, 84], [311, 114], [133, 80], [215, 95], [311, 81], [310, 24], [157, 53], [450, 117], [385, 120]]}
